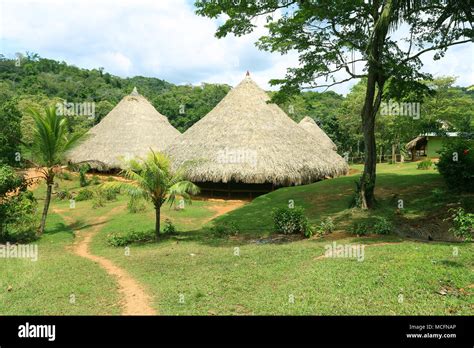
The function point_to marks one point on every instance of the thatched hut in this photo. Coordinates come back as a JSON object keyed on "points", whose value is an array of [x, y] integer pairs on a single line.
{"points": [[309, 125], [248, 144], [131, 129]]}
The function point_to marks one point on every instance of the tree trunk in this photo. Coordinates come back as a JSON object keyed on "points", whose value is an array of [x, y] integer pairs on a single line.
{"points": [[157, 221], [47, 201], [394, 154], [367, 180]]}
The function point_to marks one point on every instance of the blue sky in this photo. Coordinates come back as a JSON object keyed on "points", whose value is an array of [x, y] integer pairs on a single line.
{"points": [[160, 38]]}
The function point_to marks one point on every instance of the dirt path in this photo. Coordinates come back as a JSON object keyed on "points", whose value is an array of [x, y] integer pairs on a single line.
{"points": [[135, 300], [221, 209]]}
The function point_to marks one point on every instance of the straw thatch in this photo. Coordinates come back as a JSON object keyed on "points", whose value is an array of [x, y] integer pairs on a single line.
{"points": [[245, 139], [412, 144], [131, 129], [311, 127]]}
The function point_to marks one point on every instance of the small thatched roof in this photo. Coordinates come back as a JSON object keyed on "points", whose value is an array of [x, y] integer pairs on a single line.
{"points": [[245, 139], [131, 129], [309, 125], [420, 140]]}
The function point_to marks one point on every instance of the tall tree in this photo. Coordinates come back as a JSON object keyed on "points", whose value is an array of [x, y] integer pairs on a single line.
{"points": [[50, 142], [333, 36]]}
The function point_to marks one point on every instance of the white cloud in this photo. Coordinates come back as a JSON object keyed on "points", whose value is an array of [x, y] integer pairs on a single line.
{"points": [[164, 39]]}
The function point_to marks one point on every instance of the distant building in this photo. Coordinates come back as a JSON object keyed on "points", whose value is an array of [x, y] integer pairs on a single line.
{"points": [[428, 145]]}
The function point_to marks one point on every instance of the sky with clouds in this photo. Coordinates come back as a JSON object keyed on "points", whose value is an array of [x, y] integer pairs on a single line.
{"points": [[160, 38]]}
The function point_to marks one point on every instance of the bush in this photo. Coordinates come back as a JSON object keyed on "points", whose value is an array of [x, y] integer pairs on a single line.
{"points": [[95, 180], [225, 229], [463, 224], [21, 222], [110, 193], [136, 205], [425, 164], [290, 221], [98, 199], [63, 194], [325, 227], [65, 176], [118, 240], [376, 225], [82, 175], [382, 226], [169, 227], [84, 195], [456, 165]]}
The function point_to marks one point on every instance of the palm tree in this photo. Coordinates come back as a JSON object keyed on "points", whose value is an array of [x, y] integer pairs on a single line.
{"points": [[152, 179], [50, 142]]}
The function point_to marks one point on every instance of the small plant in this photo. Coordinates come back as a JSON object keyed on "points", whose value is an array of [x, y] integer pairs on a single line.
{"points": [[169, 228], [120, 240], [110, 193], [98, 200], [136, 205], [84, 195], [64, 176], [325, 227], [382, 226], [95, 180], [359, 229], [290, 221], [425, 164], [110, 179], [225, 230], [463, 224], [82, 175], [63, 194]]}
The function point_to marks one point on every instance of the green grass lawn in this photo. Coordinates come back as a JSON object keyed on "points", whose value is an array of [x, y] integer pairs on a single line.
{"points": [[198, 274]]}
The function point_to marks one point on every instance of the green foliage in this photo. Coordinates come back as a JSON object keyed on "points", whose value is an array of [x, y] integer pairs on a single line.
{"points": [[374, 225], [223, 230], [84, 195], [19, 222], [63, 194], [10, 135], [169, 228], [456, 165], [83, 169], [463, 224], [425, 164], [9, 181], [325, 227], [95, 180], [291, 221], [64, 176], [136, 205], [124, 239]]}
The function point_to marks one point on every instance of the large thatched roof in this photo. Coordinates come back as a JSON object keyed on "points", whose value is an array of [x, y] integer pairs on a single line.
{"points": [[245, 139], [311, 127], [129, 130]]}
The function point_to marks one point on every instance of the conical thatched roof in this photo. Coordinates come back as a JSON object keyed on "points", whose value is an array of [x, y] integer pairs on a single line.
{"points": [[131, 129], [312, 127], [245, 139]]}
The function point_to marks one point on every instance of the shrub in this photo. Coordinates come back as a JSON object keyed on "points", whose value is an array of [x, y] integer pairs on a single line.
{"points": [[290, 221], [95, 180], [111, 178], [425, 164], [169, 227], [136, 205], [65, 176], [98, 199], [82, 175], [463, 224], [63, 194], [84, 195], [382, 226], [376, 225], [22, 222], [225, 229], [110, 193], [456, 165], [118, 240], [325, 227]]}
